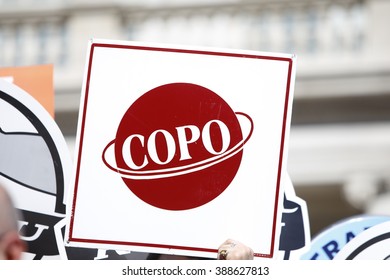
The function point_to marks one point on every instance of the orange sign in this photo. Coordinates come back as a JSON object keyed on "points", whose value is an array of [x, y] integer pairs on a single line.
{"points": [[37, 80]]}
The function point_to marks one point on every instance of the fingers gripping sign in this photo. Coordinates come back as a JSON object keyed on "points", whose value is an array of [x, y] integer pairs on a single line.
{"points": [[234, 250]]}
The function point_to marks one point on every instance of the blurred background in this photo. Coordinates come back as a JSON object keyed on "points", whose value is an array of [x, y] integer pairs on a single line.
{"points": [[339, 154]]}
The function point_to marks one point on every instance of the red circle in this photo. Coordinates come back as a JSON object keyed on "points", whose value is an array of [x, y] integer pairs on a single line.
{"points": [[165, 108]]}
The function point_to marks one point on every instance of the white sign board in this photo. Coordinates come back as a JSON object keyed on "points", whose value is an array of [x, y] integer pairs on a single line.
{"points": [[180, 148]]}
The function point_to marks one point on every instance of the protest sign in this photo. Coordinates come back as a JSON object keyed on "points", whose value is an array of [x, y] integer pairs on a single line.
{"points": [[327, 244], [35, 167], [180, 148], [371, 244]]}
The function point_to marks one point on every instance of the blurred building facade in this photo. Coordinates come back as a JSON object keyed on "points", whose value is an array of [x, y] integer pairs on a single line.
{"points": [[339, 155]]}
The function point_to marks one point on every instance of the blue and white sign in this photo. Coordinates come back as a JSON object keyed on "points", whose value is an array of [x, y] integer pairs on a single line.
{"points": [[372, 244], [327, 244]]}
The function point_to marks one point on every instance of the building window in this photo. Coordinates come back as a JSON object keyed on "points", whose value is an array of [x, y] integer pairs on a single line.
{"points": [[42, 32], [312, 29], [64, 39], [288, 24], [2, 62]]}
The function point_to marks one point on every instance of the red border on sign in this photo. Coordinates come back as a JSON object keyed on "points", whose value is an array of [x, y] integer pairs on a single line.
{"points": [[164, 246]]}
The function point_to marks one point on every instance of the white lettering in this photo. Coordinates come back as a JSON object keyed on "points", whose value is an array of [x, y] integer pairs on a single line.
{"points": [[126, 152], [183, 141], [207, 139], [152, 149]]}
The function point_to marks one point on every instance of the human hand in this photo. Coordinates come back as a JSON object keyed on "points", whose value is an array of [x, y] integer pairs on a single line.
{"points": [[234, 250]]}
